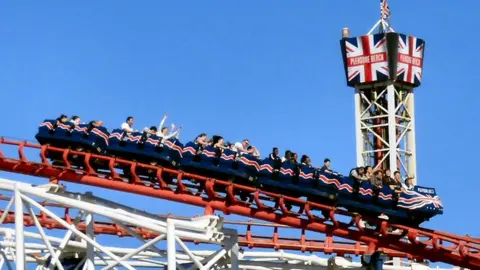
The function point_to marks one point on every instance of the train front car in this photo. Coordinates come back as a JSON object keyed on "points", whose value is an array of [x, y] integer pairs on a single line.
{"points": [[422, 202]]}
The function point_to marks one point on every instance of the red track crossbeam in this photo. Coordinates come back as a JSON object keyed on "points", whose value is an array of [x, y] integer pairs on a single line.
{"points": [[456, 250]]}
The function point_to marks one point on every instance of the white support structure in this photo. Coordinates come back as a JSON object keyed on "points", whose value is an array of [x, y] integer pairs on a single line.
{"points": [[385, 129], [85, 251], [153, 258]]}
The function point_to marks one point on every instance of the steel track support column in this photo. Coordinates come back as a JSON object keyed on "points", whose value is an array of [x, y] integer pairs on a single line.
{"points": [[90, 260], [392, 127], [358, 129], [231, 244], [380, 259], [171, 252], [19, 243], [412, 161]]}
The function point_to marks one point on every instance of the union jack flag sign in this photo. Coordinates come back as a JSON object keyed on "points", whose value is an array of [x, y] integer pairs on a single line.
{"points": [[366, 59], [410, 59]]}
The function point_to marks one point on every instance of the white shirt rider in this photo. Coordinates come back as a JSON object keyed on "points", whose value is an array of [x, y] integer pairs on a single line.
{"points": [[164, 134], [128, 125]]}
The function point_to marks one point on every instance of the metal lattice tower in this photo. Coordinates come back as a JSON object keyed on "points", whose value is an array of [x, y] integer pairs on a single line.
{"points": [[385, 117]]}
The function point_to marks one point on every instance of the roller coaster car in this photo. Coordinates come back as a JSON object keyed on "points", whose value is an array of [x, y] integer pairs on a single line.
{"points": [[83, 137], [145, 148], [410, 207], [214, 163]]}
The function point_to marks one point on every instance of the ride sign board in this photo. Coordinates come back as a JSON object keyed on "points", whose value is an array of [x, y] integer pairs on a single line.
{"points": [[383, 57]]}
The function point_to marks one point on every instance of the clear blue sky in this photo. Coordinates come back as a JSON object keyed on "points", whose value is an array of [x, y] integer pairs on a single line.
{"points": [[270, 71]]}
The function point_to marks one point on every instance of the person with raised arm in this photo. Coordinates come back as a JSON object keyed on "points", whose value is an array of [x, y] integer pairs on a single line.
{"points": [[163, 131]]}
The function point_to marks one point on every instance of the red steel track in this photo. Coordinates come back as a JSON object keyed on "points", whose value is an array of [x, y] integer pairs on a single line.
{"points": [[432, 245]]}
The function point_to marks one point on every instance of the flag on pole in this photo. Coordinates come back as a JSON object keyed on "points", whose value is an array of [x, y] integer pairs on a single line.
{"points": [[384, 9]]}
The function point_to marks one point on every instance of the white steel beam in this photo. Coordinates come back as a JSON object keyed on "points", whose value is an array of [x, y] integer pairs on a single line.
{"points": [[20, 249]]}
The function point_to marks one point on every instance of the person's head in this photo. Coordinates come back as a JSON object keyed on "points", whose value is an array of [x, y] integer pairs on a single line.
{"points": [[76, 119], [397, 176], [368, 169], [326, 162], [288, 154], [217, 139], [378, 174], [388, 173], [164, 130], [409, 181], [153, 129], [130, 120], [63, 118], [294, 156], [275, 151], [305, 159], [361, 170], [99, 123], [245, 143]]}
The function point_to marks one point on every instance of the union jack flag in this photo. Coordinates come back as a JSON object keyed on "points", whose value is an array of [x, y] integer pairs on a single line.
{"points": [[384, 9], [366, 59], [410, 59]]}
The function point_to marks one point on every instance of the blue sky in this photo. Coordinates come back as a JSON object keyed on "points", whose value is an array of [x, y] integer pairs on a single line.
{"points": [[270, 71]]}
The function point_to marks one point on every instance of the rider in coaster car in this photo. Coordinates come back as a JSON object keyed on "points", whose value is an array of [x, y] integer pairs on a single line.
{"points": [[287, 157], [201, 140], [150, 131], [305, 161], [75, 120], [62, 119], [326, 166], [376, 179], [163, 131], [358, 174], [127, 126]]}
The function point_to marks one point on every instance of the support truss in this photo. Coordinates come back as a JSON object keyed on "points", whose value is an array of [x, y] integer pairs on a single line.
{"points": [[206, 229], [74, 251], [385, 128]]}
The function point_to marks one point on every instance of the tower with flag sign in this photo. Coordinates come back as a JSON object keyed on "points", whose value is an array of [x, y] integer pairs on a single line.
{"points": [[384, 67]]}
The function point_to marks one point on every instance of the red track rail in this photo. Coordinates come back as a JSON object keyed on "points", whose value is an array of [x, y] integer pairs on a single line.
{"points": [[456, 250]]}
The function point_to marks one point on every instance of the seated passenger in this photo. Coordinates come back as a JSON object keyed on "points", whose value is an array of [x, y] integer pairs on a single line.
{"points": [[75, 120], [62, 119], [387, 178], [358, 174], [288, 155], [150, 131], [201, 140], [163, 131], [376, 179], [254, 151], [127, 126], [326, 166], [93, 124], [218, 143], [305, 161], [98, 123], [294, 158], [241, 147], [368, 172], [274, 155], [396, 183], [409, 183]]}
